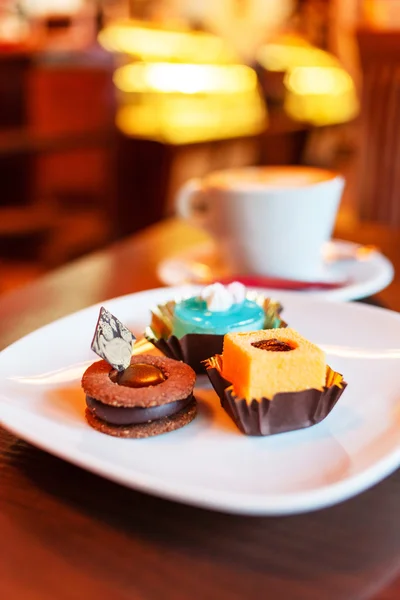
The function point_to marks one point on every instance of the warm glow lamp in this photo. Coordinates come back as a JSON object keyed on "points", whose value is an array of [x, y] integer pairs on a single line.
{"points": [[185, 78], [146, 41], [40, 8], [317, 89], [290, 51], [320, 95], [181, 86], [186, 103]]}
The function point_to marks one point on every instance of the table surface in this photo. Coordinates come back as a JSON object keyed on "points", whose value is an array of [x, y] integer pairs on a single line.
{"points": [[68, 534]]}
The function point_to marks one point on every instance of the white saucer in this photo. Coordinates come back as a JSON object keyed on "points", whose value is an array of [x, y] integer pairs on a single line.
{"points": [[363, 276], [209, 463]]}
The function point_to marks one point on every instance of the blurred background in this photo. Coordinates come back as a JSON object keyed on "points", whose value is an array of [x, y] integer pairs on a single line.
{"points": [[108, 106]]}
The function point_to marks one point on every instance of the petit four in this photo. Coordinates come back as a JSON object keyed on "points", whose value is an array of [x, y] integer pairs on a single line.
{"points": [[264, 363], [192, 329], [135, 396], [218, 310], [273, 381], [152, 396]]}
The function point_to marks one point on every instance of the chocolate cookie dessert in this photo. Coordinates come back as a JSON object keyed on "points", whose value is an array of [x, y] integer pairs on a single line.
{"points": [[134, 396], [153, 395]]}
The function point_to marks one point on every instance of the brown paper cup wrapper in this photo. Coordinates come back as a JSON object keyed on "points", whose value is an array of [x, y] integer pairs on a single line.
{"points": [[286, 411], [195, 348]]}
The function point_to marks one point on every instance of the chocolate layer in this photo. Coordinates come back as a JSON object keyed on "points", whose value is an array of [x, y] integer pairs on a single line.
{"points": [[117, 415], [145, 430], [286, 411]]}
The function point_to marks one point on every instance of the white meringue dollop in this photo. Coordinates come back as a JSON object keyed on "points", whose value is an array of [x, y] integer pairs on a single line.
{"points": [[238, 292], [220, 298]]}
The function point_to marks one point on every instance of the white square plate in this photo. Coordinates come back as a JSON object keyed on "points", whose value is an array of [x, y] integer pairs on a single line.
{"points": [[210, 463]]}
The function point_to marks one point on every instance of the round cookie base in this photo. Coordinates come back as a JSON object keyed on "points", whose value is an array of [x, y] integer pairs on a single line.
{"points": [[144, 430]]}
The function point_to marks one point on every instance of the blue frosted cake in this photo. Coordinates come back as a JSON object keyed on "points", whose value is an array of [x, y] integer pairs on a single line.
{"points": [[193, 329], [218, 310]]}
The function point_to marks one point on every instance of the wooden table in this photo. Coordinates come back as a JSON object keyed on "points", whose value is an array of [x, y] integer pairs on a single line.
{"points": [[66, 534]]}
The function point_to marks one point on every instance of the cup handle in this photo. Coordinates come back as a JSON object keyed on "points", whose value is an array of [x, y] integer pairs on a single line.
{"points": [[190, 203]]}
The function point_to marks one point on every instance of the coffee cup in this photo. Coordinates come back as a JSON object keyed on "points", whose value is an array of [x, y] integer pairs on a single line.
{"points": [[271, 221]]}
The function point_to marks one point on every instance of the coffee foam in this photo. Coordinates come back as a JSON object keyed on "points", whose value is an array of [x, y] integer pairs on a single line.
{"points": [[274, 177]]}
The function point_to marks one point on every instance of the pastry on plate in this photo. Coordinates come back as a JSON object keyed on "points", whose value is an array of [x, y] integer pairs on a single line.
{"points": [[153, 395], [272, 381], [135, 396], [192, 329], [217, 310]]}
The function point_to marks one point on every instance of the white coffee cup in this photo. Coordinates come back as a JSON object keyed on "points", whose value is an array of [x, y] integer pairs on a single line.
{"points": [[266, 220]]}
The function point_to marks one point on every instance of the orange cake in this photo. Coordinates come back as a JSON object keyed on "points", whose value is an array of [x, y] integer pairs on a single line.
{"points": [[263, 363]]}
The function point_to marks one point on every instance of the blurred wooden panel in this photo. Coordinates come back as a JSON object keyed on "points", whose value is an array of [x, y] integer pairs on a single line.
{"points": [[14, 68], [15, 171], [70, 98], [284, 141], [379, 162], [73, 99]]}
